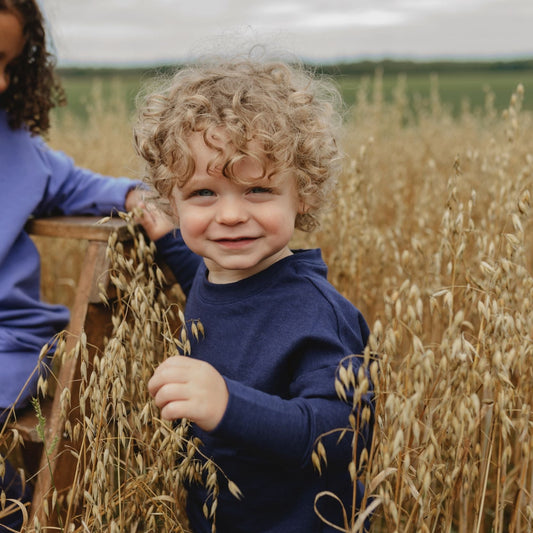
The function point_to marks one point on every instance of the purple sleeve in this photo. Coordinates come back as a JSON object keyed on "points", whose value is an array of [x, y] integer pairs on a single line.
{"points": [[75, 190]]}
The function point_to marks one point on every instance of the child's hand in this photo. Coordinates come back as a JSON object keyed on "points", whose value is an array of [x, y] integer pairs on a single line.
{"points": [[188, 388], [134, 198], [153, 220]]}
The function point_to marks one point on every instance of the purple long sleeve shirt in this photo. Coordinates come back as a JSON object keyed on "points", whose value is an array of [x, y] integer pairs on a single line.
{"points": [[36, 181]]}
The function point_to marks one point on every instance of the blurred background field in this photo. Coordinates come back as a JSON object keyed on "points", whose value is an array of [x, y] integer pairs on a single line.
{"points": [[459, 83]]}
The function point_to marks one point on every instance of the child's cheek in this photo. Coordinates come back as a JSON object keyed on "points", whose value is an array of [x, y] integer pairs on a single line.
{"points": [[193, 230]]}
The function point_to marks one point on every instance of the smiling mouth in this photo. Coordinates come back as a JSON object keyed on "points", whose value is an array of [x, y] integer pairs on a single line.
{"points": [[238, 241]]}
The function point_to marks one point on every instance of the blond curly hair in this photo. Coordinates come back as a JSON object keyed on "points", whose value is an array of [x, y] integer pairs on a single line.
{"points": [[287, 111]]}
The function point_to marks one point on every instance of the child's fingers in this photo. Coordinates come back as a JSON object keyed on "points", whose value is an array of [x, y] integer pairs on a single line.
{"points": [[171, 392], [183, 387], [172, 370], [133, 199], [177, 400], [176, 410], [154, 221]]}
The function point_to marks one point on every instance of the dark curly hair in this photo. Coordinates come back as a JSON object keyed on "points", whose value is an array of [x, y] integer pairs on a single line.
{"points": [[34, 88]]}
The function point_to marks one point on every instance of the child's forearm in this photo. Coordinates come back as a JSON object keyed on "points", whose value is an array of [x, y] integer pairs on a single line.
{"points": [[182, 262], [285, 429], [74, 190]]}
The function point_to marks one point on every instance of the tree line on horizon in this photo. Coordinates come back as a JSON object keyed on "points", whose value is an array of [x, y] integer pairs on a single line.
{"points": [[346, 68]]}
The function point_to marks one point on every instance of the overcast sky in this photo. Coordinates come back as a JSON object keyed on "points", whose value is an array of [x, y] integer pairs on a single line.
{"points": [[107, 32]]}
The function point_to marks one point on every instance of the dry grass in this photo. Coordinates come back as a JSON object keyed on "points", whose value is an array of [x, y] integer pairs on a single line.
{"points": [[131, 474], [430, 237]]}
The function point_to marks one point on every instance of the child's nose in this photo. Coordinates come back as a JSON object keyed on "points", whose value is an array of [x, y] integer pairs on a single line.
{"points": [[231, 210]]}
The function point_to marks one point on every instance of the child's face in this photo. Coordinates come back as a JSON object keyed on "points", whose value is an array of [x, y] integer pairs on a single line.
{"points": [[239, 229], [11, 45]]}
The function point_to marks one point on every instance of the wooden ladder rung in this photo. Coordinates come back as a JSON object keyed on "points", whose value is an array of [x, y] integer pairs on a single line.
{"points": [[78, 227]]}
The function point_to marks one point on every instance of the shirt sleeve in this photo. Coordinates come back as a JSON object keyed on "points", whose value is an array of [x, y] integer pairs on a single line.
{"points": [[288, 429], [179, 258], [74, 190]]}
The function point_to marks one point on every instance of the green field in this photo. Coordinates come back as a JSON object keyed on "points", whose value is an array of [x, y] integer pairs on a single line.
{"points": [[456, 86]]}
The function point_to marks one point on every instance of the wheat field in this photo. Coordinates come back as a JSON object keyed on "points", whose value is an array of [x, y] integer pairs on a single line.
{"points": [[430, 235]]}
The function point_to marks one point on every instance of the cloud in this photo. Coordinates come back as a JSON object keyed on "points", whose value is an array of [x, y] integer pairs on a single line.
{"points": [[338, 19], [111, 31]]}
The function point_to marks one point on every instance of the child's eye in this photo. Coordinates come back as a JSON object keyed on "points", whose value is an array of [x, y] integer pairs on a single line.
{"points": [[203, 192], [260, 190]]}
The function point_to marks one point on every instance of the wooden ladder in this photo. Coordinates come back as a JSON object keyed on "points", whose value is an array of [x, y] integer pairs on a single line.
{"points": [[56, 469]]}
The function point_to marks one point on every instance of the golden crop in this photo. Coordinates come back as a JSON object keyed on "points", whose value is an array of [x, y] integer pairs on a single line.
{"points": [[430, 236]]}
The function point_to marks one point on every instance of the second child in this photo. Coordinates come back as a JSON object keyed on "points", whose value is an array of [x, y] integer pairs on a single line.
{"points": [[36, 181]]}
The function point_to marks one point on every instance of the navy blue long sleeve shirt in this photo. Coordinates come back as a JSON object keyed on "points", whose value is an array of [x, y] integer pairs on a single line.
{"points": [[277, 338]]}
